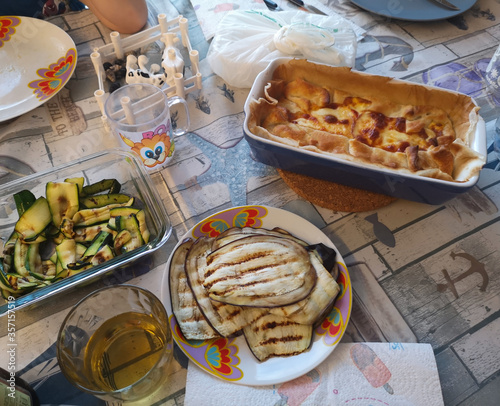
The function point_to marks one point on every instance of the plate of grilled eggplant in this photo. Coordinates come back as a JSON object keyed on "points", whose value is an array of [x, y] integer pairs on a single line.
{"points": [[257, 295]]}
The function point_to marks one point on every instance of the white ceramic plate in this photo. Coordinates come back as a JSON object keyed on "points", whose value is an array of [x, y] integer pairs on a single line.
{"points": [[231, 359], [37, 59], [414, 10]]}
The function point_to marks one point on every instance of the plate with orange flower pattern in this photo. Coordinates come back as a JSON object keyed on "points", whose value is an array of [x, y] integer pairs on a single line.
{"points": [[37, 59], [230, 359]]}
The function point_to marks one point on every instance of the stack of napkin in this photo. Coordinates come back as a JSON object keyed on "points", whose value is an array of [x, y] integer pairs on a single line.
{"points": [[355, 374]]}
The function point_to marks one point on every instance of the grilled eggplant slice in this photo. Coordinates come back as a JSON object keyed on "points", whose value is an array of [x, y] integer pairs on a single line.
{"points": [[276, 336], [260, 268], [235, 233], [318, 304], [259, 271], [190, 319], [227, 320], [327, 255]]}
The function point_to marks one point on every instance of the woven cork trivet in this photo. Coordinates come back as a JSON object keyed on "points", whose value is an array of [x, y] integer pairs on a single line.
{"points": [[334, 196]]}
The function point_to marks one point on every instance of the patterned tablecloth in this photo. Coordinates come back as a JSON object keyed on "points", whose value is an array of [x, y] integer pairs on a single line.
{"points": [[438, 283]]}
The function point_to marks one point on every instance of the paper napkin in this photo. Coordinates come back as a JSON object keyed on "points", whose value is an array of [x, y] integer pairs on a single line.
{"points": [[355, 374]]}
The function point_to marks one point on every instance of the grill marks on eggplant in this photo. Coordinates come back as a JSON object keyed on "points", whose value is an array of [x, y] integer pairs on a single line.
{"points": [[236, 233], [190, 319], [226, 319], [259, 270], [275, 336], [266, 270], [320, 301]]}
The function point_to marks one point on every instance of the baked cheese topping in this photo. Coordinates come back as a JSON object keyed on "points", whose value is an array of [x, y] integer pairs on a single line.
{"points": [[355, 119], [414, 138]]}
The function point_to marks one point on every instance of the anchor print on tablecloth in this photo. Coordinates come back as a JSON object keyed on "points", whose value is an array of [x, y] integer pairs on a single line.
{"points": [[475, 267]]}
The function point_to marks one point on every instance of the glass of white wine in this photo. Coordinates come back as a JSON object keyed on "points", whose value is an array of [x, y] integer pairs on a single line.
{"points": [[116, 344]]}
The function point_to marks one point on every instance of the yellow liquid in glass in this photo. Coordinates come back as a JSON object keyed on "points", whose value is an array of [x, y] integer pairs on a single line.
{"points": [[123, 350]]}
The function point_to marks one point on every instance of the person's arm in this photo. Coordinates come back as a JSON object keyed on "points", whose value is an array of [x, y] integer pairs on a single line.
{"points": [[124, 16]]}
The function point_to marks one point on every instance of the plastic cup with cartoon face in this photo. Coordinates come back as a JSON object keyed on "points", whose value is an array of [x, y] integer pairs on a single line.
{"points": [[139, 114]]}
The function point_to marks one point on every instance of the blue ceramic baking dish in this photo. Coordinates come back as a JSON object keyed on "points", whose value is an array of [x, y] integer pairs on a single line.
{"points": [[328, 167]]}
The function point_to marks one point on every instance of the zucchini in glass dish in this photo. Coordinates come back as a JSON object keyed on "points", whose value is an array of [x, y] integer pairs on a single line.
{"points": [[69, 230]]}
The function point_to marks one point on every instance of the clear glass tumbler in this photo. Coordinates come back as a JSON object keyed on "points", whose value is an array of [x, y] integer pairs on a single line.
{"points": [[116, 344]]}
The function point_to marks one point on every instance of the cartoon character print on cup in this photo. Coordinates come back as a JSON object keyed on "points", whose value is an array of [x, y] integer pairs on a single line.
{"points": [[155, 147]]}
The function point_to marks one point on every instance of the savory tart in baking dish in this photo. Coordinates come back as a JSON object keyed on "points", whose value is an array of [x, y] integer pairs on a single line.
{"points": [[368, 119]]}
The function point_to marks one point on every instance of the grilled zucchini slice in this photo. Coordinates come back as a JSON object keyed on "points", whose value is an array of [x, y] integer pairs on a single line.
{"points": [[34, 220], [63, 200]]}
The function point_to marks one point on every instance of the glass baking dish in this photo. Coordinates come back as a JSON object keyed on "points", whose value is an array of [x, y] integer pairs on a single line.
{"points": [[123, 166]]}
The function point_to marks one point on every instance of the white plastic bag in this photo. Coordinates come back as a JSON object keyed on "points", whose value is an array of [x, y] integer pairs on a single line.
{"points": [[246, 41]]}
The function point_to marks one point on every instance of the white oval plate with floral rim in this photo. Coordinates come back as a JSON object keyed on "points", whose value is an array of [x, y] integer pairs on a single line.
{"points": [[37, 59], [231, 359]]}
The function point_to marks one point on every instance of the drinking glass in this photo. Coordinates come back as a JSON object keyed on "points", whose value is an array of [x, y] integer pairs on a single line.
{"points": [[116, 344]]}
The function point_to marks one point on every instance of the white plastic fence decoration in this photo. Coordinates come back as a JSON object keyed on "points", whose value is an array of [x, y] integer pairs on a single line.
{"points": [[172, 61]]}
